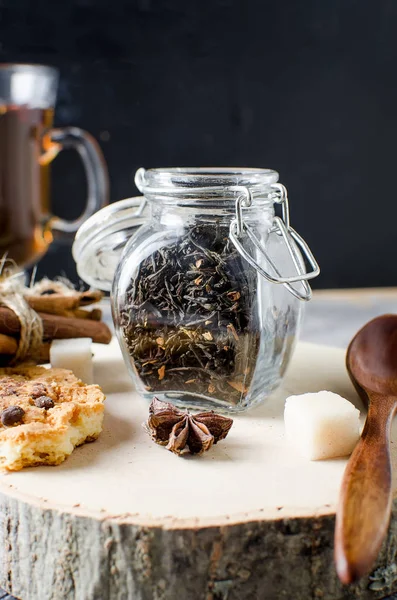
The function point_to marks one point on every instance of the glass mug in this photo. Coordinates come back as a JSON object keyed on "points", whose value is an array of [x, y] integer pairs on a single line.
{"points": [[28, 144]]}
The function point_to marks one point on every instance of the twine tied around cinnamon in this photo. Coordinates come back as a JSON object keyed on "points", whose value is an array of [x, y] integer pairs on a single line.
{"points": [[33, 315], [12, 290]]}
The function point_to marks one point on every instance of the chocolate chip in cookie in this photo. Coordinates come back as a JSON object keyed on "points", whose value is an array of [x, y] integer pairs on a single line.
{"points": [[44, 402], [39, 390], [13, 415]]}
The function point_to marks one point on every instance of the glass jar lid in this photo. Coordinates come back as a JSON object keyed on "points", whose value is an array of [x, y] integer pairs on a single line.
{"points": [[101, 239]]}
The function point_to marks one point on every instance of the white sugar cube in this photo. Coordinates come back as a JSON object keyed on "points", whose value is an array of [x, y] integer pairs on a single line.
{"points": [[74, 354], [321, 425]]}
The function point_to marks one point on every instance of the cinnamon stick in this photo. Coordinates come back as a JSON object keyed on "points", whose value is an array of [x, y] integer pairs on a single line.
{"points": [[8, 344], [42, 356], [95, 314], [90, 297], [80, 313], [9, 347], [58, 327], [59, 304]]}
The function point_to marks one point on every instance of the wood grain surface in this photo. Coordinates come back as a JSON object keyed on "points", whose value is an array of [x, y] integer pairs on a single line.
{"points": [[366, 496], [332, 318]]}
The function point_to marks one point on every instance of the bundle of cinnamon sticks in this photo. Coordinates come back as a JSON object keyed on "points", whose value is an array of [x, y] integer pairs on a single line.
{"points": [[63, 316]]}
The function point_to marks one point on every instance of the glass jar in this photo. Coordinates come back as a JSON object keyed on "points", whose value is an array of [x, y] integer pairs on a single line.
{"points": [[207, 295]]}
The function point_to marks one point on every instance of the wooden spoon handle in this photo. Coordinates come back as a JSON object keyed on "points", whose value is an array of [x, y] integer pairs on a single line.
{"points": [[365, 501]]}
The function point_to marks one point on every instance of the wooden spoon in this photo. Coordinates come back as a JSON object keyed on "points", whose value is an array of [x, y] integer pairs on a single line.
{"points": [[365, 502]]}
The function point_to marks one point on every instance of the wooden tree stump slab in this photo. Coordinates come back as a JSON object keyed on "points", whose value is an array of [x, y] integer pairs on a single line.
{"points": [[124, 519]]}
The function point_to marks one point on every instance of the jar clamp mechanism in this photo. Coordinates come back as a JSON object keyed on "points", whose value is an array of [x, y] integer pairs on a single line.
{"points": [[281, 226]]}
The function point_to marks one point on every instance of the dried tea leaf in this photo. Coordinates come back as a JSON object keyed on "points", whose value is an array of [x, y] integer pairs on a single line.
{"points": [[198, 280], [208, 336], [233, 331], [161, 372], [160, 341], [199, 263], [211, 388], [234, 295], [237, 385], [188, 332]]}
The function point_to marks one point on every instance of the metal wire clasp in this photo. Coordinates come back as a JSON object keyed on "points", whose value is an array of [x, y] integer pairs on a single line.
{"points": [[295, 245]]}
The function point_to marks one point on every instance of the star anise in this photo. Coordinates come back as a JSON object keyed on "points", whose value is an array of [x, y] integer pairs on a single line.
{"points": [[181, 432]]}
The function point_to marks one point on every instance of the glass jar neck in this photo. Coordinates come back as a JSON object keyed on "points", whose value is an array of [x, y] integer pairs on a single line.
{"points": [[206, 189], [176, 215]]}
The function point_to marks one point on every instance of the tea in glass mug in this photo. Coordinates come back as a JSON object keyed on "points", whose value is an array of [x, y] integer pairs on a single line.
{"points": [[28, 144]]}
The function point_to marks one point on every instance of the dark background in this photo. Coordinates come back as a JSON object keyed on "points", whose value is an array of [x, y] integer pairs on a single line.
{"points": [[308, 88]]}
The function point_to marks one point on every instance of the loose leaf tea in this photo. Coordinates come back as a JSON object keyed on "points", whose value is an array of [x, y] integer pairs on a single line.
{"points": [[188, 318]]}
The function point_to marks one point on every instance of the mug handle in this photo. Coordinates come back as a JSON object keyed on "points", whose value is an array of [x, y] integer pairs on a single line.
{"points": [[95, 168]]}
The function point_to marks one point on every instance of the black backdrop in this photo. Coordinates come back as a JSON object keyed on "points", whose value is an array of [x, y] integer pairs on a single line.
{"points": [[308, 88]]}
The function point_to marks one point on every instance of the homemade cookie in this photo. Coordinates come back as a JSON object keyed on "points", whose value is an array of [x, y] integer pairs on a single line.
{"points": [[44, 415]]}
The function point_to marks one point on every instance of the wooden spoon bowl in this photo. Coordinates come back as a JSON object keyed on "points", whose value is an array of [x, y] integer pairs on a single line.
{"points": [[365, 502]]}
